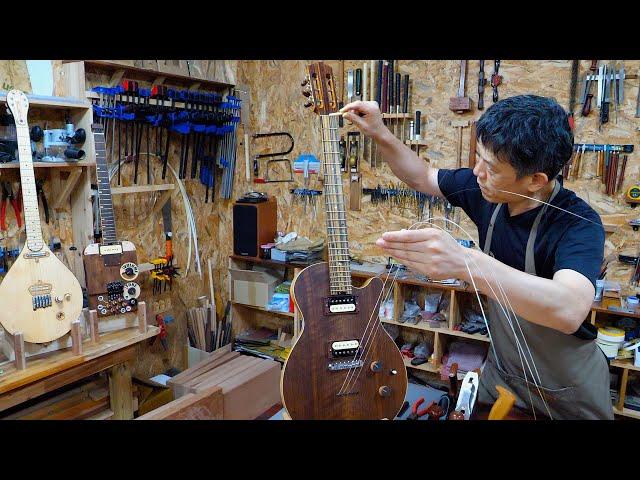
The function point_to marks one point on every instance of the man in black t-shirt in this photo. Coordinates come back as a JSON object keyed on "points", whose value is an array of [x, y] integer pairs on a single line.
{"points": [[536, 260]]}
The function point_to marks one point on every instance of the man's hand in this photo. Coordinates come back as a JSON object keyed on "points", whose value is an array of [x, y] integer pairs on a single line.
{"points": [[429, 251], [366, 116]]}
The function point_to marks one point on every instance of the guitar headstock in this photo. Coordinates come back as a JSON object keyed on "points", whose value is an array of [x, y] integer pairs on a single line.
{"points": [[320, 88], [19, 105]]}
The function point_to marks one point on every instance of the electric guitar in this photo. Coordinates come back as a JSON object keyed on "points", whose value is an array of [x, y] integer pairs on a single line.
{"points": [[39, 296], [344, 365], [111, 266]]}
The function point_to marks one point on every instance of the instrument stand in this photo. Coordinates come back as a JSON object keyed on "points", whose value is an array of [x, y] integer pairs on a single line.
{"points": [[87, 326]]}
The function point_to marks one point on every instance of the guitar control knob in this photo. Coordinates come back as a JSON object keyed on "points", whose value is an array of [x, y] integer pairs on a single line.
{"points": [[58, 299], [394, 372], [376, 367], [67, 297], [384, 391], [60, 315]]}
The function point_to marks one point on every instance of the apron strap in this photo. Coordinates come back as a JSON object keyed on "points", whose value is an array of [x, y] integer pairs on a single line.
{"points": [[487, 241], [530, 261]]}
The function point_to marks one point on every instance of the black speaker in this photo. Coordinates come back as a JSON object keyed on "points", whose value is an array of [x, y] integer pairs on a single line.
{"points": [[254, 224]]}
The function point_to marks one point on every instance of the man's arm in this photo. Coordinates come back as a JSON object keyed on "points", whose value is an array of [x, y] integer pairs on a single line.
{"points": [[561, 303], [404, 162]]}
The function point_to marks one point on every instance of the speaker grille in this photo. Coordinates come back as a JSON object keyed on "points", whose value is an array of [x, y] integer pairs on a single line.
{"points": [[245, 230]]}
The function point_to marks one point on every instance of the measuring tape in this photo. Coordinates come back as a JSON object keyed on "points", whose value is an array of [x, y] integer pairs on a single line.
{"points": [[633, 195]]}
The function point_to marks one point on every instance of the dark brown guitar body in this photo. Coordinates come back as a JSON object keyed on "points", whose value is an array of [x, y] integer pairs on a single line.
{"points": [[308, 388]]}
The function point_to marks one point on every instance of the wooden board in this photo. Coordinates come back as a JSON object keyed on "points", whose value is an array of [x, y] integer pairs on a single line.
{"points": [[252, 392], [221, 373], [219, 357], [204, 405]]}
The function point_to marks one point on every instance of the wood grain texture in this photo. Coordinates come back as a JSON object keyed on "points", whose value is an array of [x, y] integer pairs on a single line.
{"points": [[41, 325], [204, 405], [309, 390]]}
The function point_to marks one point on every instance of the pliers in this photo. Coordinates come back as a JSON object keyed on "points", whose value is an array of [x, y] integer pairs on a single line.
{"points": [[415, 413], [7, 196]]}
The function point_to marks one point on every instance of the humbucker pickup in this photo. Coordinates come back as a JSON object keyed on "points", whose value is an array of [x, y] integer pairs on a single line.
{"points": [[344, 348], [336, 304]]}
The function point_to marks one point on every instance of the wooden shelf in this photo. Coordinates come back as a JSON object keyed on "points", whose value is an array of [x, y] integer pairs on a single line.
{"points": [[426, 367], [445, 331], [397, 115], [422, 143], [262, 309], [52, 102], [79, 163], [598, 308], [151, 75], [273, 263], [142, 188], [627, 412], [628, 364]]}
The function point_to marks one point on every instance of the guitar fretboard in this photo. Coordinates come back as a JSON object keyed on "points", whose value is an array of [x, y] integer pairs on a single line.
{"points": [[338, 243], [29, 194], [107, 220]]}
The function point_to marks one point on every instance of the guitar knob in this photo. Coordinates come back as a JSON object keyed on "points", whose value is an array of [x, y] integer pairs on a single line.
{"points": [[376, 366], [58, 299], [384, 391], [456, 415], [67, 297], [129, 271]]}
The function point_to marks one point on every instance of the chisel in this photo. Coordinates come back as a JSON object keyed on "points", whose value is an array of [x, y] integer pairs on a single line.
{"points": [[397, 109], [365, 97], [405, 102]]}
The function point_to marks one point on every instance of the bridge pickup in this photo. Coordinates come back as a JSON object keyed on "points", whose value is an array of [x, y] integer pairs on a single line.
{"points": [[347, 348], [344, 365], [41, 301], [337, 304]]}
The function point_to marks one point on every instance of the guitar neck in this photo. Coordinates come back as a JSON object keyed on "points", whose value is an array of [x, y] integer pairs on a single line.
{"points": [[29, 194], [107, 220], [339, 263]]}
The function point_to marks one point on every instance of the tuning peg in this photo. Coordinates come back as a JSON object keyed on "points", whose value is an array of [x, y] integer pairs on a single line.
{"points": [[306, 93], [304, 82], [308, 104]]}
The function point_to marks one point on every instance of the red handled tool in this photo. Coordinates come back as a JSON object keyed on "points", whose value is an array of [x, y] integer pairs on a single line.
{"points": [[415, 413]]}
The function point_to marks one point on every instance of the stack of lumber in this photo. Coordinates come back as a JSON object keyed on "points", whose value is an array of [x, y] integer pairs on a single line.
{"points": [[225, 385]]}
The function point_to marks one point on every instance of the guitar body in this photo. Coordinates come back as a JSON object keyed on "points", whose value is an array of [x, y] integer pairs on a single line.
{"points": [[106, 287], [308, 388], [48, 280]]}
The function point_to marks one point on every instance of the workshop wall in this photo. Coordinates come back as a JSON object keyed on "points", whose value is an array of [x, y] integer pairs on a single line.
{"points": [[276, 104]]}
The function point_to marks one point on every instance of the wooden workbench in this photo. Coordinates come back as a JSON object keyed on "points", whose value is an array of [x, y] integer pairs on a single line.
{"points": [[113, 352]]}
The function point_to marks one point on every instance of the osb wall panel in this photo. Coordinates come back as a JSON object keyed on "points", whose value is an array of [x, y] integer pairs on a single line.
{"points": [[276, 105]]}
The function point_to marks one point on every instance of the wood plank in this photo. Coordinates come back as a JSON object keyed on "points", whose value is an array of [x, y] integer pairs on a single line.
{"points": [[142, 188], [250, 393], [69, 185], [217, 358], [204, 405], [80, 410], [103, 415], [220, 374], [120, 392]]}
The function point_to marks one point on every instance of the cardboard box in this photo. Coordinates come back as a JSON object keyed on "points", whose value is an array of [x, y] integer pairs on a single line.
{"points": [[253, 287]]}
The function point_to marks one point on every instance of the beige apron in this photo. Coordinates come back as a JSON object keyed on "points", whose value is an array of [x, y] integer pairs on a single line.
{"points": [[573, 373]]}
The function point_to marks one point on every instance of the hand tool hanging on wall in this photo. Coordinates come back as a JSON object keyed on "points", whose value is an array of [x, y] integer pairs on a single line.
{"points": [[638, 103], [405, 102], [496, 79], [365, 97], [417, 135], [472, 146], [350, 85], [372, 96], [8, 197], [355, 179], [482, 81], [43, 199], [461, 103], [572, 91], [587, 95], [604, 107], [357, 93], [459, 125], [390, 92], [269, 155]]}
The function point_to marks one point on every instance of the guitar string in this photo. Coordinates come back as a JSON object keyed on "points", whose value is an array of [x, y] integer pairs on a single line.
{"points": [[520, 351]]}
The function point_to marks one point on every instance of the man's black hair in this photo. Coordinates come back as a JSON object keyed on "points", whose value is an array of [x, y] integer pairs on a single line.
{"points": [[532, 133]]}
